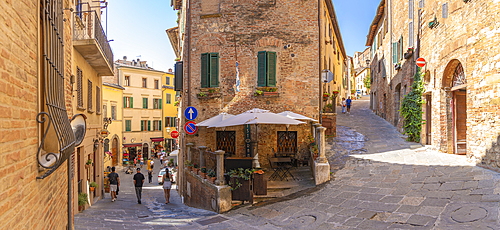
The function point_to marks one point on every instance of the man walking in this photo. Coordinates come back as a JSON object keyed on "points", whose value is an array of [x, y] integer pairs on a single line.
{"points": [[114, 182], [138, 182], [348, 103]]}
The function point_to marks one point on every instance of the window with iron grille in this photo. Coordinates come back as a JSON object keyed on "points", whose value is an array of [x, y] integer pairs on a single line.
{"points": [[79, 87], [226, 140], [89, 96], [144, 83], [287, 141], [98, 99], [113, 112], [157, 84]]}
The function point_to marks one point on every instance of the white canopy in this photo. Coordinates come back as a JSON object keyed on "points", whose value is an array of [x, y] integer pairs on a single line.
{"points": [[214, 120], [295, 116], [257, 116]]}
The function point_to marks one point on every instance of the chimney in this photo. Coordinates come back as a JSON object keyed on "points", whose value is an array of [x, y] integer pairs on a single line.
{"points": [[124, 58], [170, 70]]}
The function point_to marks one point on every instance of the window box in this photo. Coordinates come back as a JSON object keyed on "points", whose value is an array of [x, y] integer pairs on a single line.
{"points": [[203, 95], [266, 92], [408, 53]]}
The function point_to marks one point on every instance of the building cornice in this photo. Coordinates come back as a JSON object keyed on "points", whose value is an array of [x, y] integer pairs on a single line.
{"points": [[333, 17], [375, 23]]}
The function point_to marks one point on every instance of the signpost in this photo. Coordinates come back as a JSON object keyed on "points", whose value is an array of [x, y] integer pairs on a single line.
{"points": [[190, 128], [104, 133], [191, 113], [174, 134], [421, 62]]}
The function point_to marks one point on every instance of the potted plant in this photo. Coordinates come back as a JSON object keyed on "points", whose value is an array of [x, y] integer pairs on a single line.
{"points": [[176, 103], [328, 108], [408, 53], [201, 95], [203, 172], [82, 201], [326, 96], [314, 151], [258, 93], [189, 165], [212, 176], [196, 168], [93, 186], [270, 91], [240, 184], [397, 66], [88, 163], [170, 163]]}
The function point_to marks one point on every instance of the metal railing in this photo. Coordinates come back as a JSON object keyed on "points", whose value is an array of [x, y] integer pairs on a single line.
{"points": [[87, 25]]}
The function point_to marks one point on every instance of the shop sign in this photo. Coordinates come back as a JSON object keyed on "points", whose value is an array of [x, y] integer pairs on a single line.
{"points": [[104, 133]]}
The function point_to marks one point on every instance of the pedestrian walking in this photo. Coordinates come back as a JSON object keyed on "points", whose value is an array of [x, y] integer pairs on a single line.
{"points": [[152, 165], [138, 182], [141, 162], [167, 185], [348, 104], [343, 105], [161, 159], [114, 182], [150, 175], [135, 162]]}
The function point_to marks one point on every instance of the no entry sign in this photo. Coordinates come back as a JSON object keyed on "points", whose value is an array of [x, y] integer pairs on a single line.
{"points": [[190, 128], [174, 134], [420, 62]]}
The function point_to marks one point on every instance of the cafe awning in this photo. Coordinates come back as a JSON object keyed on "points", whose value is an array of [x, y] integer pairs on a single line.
{"points": [[132, 145], [157, 139]]}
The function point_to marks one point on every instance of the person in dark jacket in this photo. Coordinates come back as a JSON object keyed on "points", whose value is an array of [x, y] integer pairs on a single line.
{"points": [[138, 182]]}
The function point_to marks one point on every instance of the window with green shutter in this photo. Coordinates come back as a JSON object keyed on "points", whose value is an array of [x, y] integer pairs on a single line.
{"points": [[159, 104], [149, 125], [142, 125], [145, 103], [209, 70], [159, 125], [128, 125], [266, 69], [172, 122], [395, 52], [167, 121]]}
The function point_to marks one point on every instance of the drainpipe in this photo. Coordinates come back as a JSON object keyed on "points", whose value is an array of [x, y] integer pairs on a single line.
{"points": [[70, 185], [389, 17], [319, 61], [188, 35]]}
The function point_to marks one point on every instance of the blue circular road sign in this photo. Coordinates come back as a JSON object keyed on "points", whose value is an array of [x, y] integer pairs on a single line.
{"points": [[191, 113], [190, 127]]}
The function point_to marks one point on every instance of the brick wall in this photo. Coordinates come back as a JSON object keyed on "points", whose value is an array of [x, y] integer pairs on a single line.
{"points": [[26, 202]]}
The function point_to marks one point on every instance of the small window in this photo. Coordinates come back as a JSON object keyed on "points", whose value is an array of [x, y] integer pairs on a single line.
{"points": [[410, 9], [168, 98], [128, 125], [157, 84], [445, 10], [79, 87], [104, 111], [266, 71], [410, 34], [113, 112], [89, 96], [156, 103], [421, 3], [128, 102], [98, 99], [145, 103], [167, 80], [209, 70], [127, 80], [144, 83]]}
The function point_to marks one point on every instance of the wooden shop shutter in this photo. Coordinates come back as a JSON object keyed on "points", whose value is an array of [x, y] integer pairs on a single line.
{"points": [[261, 69], [214, 70], [271, 69], [204, 70]]}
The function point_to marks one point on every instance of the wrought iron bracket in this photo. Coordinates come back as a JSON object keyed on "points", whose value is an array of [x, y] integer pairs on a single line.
{"points": [[52, 160]]}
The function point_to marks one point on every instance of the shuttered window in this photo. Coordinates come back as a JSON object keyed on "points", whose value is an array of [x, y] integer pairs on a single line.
{"points": [[394, 52], [89, 96], [156, 103], [128, 102], [410, 9], [128, 125], [168, 98], [266, 69], [113, 112], [98, 99], [149, 125], [209, 70], [145, 103], [421, 4], [178, 78], [445, 10], [79, 87], [410, 34]]}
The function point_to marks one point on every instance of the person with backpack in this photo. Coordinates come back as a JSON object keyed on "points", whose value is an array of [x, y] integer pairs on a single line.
{"points": [[114, 182]]}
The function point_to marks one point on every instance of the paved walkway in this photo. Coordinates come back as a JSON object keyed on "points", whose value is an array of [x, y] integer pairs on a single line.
{"points": [[380, 181]]}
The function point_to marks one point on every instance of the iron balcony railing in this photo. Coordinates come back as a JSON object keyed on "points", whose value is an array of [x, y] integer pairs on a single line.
{"points": [[87, 25]]}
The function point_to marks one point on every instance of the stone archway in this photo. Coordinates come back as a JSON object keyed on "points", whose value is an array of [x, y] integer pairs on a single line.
{"points": [[454, 86]]}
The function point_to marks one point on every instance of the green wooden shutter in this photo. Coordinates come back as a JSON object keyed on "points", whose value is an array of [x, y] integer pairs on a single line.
{"points": [[172, 122], [214, 70], [149, 125], [142, 125], [204, 70], [261, 69], [159, 125], [271, 69], [395, 52], [124, 102], [401, 44], [131, 102], [159, 104]]}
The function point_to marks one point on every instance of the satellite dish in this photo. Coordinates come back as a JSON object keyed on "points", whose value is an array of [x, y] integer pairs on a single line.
{"points": [[79, 126]]}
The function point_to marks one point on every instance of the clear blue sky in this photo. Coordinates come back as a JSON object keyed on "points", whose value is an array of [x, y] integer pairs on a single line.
{"points": [[354, 18], [138, 28]]}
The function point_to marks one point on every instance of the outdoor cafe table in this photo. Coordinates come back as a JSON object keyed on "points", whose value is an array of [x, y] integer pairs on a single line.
{"points": [[285, 163]]}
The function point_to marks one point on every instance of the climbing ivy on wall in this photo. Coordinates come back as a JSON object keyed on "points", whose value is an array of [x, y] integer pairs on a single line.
{"points": [[411, 108]]}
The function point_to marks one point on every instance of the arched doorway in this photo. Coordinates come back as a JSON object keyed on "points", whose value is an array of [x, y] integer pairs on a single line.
{"points": [[114, 151], [455, 85], [145, 150]]}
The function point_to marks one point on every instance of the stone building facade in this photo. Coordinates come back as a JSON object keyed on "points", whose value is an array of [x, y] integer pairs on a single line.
{"points": [[458, 40], [38, 75]]}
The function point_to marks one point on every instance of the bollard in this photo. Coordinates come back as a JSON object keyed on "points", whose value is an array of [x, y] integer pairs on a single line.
{"points": [[220, 167], [321, 144], [202, 154]]}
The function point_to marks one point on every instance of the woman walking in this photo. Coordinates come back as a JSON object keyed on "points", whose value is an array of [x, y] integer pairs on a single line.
{"points": [[167, 185], [343, 104]]}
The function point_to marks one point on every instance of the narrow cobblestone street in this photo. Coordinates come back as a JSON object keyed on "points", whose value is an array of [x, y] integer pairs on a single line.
{"points": [[380, 181]]}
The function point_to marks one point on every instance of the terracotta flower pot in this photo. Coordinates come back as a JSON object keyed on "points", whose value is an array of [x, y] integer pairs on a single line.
{"points": [[203, 175], [92, 189], [190, 168], [212, 179]]}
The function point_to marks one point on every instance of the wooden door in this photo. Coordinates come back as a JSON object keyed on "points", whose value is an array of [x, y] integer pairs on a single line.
{"points": [[428, 118], [460, 122], [114, 151]]}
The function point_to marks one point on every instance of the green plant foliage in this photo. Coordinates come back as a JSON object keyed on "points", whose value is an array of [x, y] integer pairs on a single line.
{"points": [[411, 108], [245, 174], [367, 82], [94, 184], [211, 173], [82, 199]]}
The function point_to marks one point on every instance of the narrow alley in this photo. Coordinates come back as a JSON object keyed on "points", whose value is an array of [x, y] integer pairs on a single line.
{"points": [[381, 182]]}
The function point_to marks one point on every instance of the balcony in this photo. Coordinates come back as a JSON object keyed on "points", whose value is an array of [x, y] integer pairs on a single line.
{"points": [[91, 42]]}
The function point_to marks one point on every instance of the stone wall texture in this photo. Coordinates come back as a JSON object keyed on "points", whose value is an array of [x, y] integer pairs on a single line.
{"points": [[27, 203], [467, 34]]}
